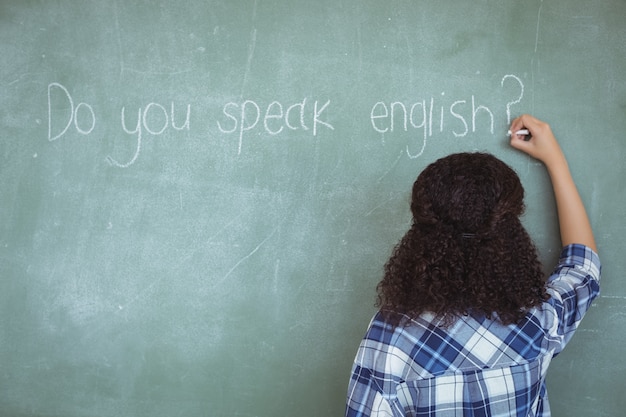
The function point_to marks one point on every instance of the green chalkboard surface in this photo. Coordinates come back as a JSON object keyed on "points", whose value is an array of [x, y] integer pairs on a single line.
{"points": [[198, 197]]}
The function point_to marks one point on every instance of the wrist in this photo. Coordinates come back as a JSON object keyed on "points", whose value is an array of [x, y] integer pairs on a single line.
{"points": [[556, 163]]}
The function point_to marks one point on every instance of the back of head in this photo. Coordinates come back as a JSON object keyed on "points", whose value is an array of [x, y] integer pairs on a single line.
{"points": [[467, 251], [469, 192]]}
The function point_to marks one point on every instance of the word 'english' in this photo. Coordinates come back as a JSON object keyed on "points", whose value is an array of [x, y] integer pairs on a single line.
{"points": [[438, 115]]}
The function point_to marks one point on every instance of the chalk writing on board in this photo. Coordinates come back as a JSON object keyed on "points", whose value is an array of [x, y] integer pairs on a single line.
{"points": [[421, 118], [73, 114], [166, 121], [153, 119], [427, 116], [246, 116]]}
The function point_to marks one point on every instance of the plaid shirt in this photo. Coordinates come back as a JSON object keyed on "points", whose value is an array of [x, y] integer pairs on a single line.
{"points": [[477, 366]]}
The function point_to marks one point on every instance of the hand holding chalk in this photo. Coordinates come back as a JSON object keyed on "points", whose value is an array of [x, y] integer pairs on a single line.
{"points": [[540, 142]]}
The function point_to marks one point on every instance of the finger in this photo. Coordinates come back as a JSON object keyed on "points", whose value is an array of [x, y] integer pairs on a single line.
{"points": [[527, 122], [518, 142], [518, 124]]}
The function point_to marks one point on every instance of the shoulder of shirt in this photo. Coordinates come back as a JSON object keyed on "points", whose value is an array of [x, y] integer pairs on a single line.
{"points": [[579, 256]]}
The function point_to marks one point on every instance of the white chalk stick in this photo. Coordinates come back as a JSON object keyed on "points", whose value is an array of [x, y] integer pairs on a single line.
{"points": [[519, 132]]}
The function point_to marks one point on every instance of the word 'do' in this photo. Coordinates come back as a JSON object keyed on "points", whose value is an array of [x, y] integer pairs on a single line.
{"points": [[88, 114]]}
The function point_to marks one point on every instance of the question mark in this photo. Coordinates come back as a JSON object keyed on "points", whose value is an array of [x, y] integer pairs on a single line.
{"points": [[510, 103]]}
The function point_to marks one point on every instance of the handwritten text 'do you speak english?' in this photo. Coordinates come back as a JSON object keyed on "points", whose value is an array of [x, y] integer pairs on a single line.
{"points": [[420, 119]]}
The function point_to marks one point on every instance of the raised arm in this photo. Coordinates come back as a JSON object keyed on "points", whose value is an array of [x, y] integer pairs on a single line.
{"points": [[573, 221]]}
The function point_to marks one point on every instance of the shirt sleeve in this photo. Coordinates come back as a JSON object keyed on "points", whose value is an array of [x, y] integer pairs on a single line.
{"points": [[572, 287], [371, 391], [365, 398]]}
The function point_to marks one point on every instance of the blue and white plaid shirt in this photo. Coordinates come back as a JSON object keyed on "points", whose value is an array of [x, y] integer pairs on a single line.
{"points": [[475, 367]]}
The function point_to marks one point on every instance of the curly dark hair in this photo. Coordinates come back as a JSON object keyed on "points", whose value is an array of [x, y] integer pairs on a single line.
{"points": [[466, 251]]}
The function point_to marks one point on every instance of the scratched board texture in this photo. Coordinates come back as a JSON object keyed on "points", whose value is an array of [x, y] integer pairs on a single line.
{"points": [[197, 198]]}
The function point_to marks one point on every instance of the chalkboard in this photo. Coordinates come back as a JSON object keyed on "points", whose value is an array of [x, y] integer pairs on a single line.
{"points": [[198, 197]]}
